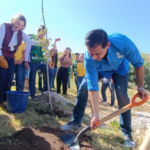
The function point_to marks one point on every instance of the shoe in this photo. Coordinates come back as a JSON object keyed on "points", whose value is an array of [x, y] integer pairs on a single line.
{"points": [[112, 105], [70, 126], [52, 90], [129, 142], [103, 102]]}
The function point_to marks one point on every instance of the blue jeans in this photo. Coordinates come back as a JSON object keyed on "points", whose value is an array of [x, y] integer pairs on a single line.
{"points": [[111, 88], [34, 67], [20, 76], [6, 77], [53, 80], [79, 80], [27, 73], [121, 84]]}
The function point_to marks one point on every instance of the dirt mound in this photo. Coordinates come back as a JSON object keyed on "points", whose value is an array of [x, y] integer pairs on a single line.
{"points": [[57, 112], [45, 138]]}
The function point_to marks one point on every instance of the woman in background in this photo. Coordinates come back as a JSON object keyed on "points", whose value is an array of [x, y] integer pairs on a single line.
{"points": [[62, 74], [11, 36]]}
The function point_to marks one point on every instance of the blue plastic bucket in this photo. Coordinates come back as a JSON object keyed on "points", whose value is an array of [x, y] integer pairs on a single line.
{"points": [[17, 101]]}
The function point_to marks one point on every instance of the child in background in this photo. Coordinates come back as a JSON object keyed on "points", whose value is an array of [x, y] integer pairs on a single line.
{"points": [[19, 67], [80, 70]]}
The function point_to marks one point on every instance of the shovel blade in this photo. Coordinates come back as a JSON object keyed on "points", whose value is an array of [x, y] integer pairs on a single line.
{"points": [[74, 146], [69, 140]]}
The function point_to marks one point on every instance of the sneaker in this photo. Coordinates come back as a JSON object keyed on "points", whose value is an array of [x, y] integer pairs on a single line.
{"points": [[112, 105], [129, 142], [70, 126], [103, 102], [52, 90]]}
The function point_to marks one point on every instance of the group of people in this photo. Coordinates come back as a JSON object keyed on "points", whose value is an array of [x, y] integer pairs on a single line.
{"points": [[107, 56], [23, 55]]}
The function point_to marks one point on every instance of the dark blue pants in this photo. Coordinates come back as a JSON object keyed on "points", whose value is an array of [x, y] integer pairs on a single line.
{"points": [[79, 81], [62, 78], [33, 69], [121, 84], [6, 77], [111, 88], [20, 76]]}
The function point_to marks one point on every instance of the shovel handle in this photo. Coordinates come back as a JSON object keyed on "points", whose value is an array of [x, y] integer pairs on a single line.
{"points": [[125, 108], [134, 103], [116, 113]]}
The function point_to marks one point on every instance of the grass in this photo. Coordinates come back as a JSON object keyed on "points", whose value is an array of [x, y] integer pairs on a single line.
{"points": [[109, 138]]}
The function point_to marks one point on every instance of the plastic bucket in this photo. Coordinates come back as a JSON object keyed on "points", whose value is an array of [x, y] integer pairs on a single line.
{"points": [[17, 101]]}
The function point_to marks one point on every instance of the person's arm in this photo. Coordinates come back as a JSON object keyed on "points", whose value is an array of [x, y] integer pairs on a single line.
{"points": [[3, 62], [27, 55], [92, 86], [94, 100], [140, 80], [26, 39], [61, 56], [2, 35], [56, 40], [132, 54]]}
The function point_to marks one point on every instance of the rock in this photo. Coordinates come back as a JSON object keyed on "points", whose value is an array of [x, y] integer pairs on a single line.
{"points": [[57, 97]]}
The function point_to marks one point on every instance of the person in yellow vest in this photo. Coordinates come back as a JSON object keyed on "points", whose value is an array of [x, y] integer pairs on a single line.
{"points": [[80, 70], [19, 67]]}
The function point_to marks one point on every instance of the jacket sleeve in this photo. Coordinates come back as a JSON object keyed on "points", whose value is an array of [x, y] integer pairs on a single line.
{"points": [[91, 74], [2, 35], [132, 54]]}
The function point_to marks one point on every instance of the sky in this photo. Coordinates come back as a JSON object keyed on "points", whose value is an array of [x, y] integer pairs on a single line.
{"points": [[70, 20]]}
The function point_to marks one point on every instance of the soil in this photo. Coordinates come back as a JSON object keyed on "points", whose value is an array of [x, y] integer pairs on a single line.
{"points": [[57, 112], [44, 138]]}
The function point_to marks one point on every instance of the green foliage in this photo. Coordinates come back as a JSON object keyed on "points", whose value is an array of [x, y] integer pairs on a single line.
{"points": [[147, 76], [132, 77], [115, 124]]}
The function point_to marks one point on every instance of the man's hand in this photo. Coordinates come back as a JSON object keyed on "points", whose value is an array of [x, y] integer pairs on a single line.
{"points": [[3, 62], [142, 92], [72, 75], [26, 65], [94, 123]]}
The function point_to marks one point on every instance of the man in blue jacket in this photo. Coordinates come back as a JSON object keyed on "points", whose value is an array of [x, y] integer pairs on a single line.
{"points": [[108, 56]]}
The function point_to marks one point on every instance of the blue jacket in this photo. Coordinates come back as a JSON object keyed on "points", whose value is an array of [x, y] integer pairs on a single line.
{"points": [[121, 51]]}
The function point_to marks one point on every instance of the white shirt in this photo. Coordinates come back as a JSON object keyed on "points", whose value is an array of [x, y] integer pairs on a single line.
{"points": [[14, 40], [105, 80]]}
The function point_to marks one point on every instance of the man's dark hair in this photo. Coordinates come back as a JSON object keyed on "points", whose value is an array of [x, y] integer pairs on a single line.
{"points": [[77, 54], [96, 37]]}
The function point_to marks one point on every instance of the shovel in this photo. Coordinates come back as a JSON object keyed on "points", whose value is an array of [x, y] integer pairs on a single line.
{"points": [[72, 140]]}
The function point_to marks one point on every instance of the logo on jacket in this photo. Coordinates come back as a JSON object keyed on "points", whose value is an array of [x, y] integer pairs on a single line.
{"points": [[119, 55]]}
